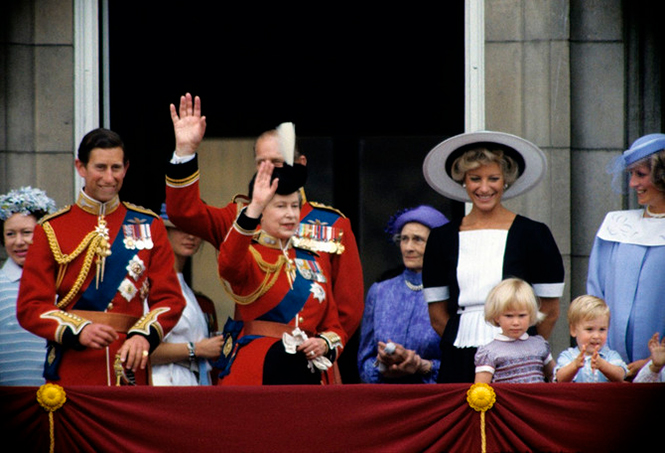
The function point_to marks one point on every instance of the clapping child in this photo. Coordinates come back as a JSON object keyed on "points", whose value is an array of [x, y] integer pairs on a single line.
{"points": [[592, 360]]}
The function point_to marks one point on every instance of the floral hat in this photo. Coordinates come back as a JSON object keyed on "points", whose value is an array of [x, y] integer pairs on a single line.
{"points": [[26, 201]]}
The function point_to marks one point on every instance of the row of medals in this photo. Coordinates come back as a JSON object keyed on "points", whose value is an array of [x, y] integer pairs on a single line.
{"points": [[319, 238]]}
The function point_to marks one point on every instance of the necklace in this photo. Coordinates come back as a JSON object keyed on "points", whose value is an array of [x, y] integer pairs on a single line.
{"points": [[413, 287], [655, 215]]}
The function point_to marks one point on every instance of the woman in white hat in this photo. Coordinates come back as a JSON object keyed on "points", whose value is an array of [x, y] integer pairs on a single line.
{"points": [[628, 255], [467, 257]]}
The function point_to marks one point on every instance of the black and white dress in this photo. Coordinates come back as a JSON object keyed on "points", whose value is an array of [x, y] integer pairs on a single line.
{"points": [[461, 267]]}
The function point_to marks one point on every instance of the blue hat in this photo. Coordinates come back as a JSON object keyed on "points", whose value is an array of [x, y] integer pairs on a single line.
{"points": [[641, 148], [423, 214], [644, 147]]}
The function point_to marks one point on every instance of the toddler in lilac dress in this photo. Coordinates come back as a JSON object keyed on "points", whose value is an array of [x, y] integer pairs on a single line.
{"points": [[513, 356]]}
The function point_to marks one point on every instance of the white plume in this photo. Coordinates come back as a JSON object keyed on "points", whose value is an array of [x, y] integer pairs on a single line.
{"points": [[287, 141]]}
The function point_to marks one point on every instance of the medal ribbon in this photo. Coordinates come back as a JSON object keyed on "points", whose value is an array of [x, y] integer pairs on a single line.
{"points": [[97, 299]]}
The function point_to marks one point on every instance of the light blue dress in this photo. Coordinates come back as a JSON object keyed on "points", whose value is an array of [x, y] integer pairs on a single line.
{"points": [[396, 310], [22, 354], [627, 270]]}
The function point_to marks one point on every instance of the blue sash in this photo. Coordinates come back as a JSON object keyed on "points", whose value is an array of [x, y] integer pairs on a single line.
{"points": [[293, 301], [324, 216], [97, 299], [284, 312]]}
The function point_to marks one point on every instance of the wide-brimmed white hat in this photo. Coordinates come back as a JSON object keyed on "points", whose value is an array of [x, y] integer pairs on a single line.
{"points": [[439, 161]]}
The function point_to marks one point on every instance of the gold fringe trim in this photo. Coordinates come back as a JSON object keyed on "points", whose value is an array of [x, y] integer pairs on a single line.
{"points": [[91, 242], [271, 274]]}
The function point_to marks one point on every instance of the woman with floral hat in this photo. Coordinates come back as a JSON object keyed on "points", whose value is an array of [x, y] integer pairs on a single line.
{"points": [[22, 353], [628, 255]]}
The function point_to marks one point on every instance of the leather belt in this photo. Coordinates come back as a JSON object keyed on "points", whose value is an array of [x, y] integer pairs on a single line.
{"points": [[120, 322]]}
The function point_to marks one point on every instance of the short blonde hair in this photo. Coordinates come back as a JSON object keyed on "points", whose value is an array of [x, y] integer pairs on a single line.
{"points": [[484, 155], [585, 308], [512, 293]]}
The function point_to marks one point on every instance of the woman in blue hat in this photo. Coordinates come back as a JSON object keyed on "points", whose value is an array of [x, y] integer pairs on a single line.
{"points": [[628, 255], [397, 341]]}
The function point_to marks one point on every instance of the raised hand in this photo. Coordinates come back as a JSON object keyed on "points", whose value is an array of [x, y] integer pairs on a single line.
{"points": [[657, 349], [263, 191], [189, 125]]}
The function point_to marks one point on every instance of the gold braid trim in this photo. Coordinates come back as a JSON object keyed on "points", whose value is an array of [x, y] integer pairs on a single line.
{"points": [[271, 271], [89, 242]]}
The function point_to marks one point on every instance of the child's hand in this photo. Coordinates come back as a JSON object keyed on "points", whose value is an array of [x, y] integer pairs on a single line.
{"points": [[579, 360], [657, 349], [595, 359]]}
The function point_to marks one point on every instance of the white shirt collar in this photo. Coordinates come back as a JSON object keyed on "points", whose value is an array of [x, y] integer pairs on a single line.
{"points": [[12, 270], [502, 337]]}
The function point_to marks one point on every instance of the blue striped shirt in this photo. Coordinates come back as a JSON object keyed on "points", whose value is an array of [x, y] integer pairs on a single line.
{"points": [[22, 353]]}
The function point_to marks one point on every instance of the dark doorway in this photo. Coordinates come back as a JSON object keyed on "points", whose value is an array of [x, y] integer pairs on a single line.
{"points": [[343, 74]]}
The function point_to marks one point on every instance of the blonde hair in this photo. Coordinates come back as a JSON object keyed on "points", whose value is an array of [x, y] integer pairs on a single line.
{"points": [[512, 293], [585, 308], [483, 155]]}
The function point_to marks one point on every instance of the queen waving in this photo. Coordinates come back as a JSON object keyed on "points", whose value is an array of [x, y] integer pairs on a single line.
{"points": [[286, 329]]}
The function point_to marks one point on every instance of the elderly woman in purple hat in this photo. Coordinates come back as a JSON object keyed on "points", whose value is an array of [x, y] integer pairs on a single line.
{"points": [[397, 341], [628, 255]]}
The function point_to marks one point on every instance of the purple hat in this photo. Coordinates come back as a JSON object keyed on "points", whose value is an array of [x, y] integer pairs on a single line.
{"points": [[423, 214]]}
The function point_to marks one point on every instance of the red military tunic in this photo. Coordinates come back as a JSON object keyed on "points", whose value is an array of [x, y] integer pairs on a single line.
{"points": [[188, 212], [62, 289], [288, 287]]}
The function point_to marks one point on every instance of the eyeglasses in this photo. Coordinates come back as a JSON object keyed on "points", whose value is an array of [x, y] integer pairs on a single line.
{"points": [[405, 238]]}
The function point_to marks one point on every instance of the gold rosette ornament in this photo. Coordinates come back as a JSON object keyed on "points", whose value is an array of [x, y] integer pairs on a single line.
{"points": [[51, 397], [481, 398]]}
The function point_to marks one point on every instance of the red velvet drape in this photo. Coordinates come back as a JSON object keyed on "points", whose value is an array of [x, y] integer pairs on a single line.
{"points": [[347, 418]]}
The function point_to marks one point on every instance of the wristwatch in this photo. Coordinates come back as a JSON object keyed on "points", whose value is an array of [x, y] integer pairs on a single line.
{"points": [[192, 355]]}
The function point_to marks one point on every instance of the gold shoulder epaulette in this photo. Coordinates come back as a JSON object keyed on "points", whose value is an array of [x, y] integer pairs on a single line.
{"points": [[326, 208], [141, 209], [241, 201], [60, 212], [240, 198]]}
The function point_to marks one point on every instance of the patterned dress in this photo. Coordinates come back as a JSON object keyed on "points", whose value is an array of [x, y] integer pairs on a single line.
{"points": [[395, 310], [510, 360]]}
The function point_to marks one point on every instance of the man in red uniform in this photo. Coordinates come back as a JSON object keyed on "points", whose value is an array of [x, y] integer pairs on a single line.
{"points": [[89, 270], [323, 228]]}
